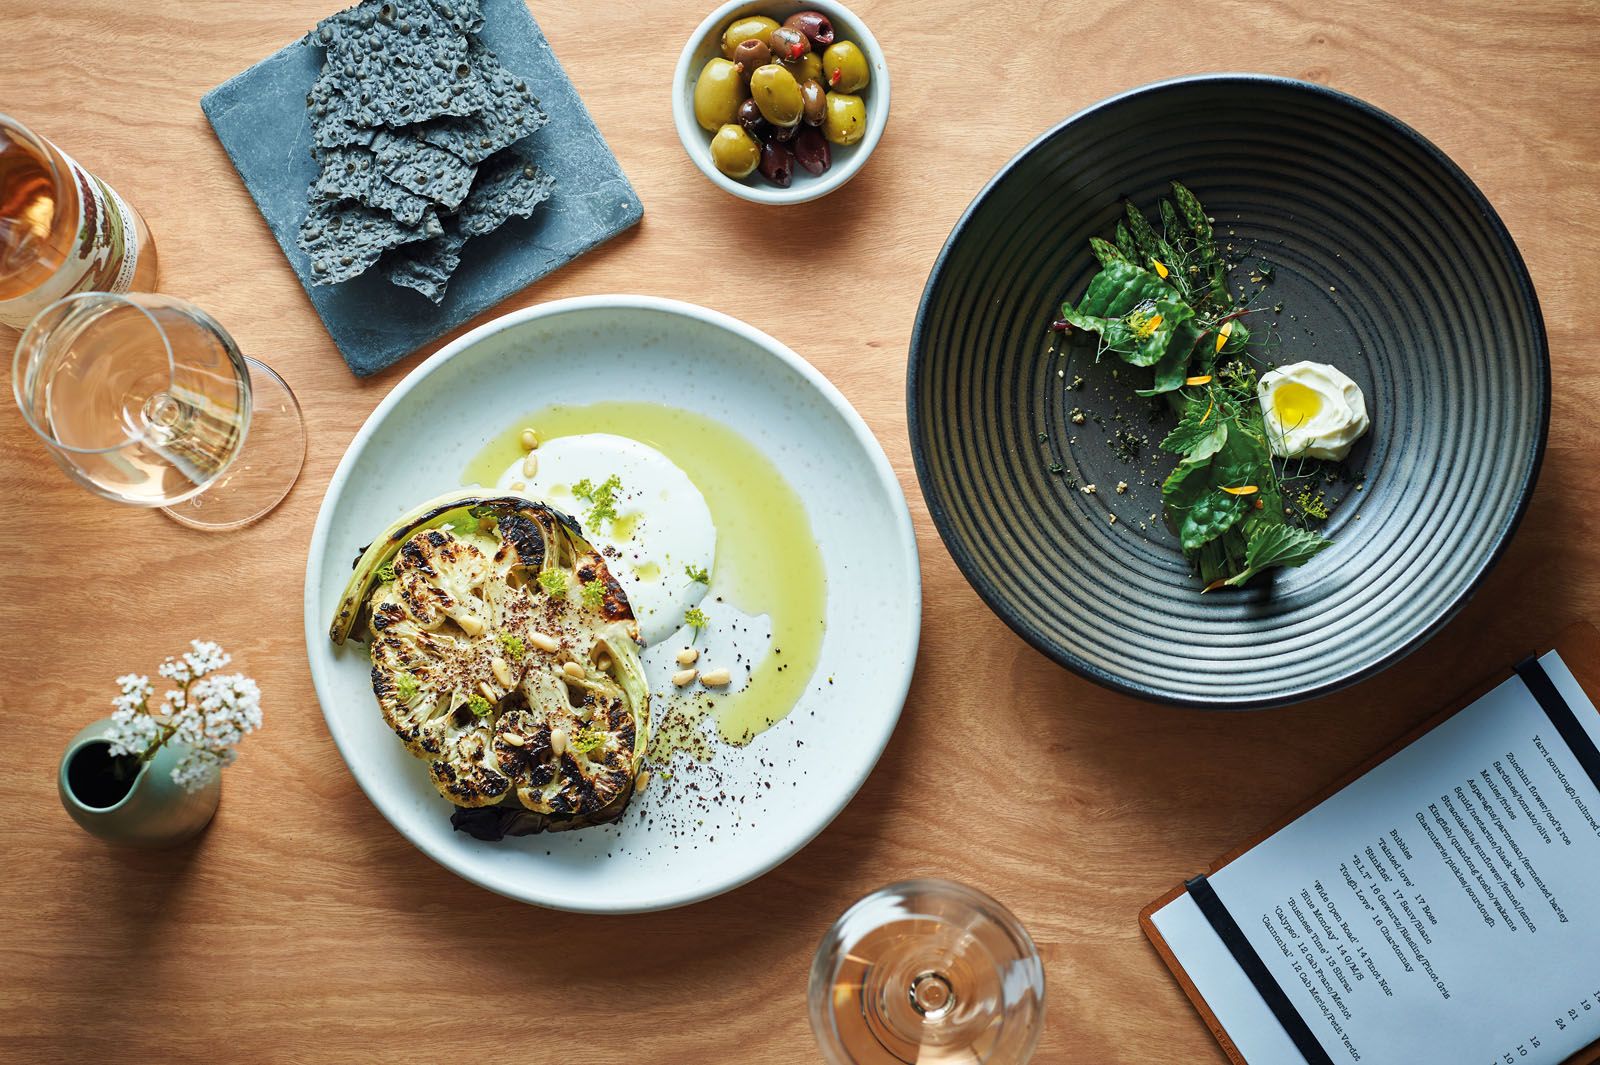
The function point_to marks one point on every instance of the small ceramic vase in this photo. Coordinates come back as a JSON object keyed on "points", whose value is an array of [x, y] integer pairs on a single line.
{"points": [[153, 812]]}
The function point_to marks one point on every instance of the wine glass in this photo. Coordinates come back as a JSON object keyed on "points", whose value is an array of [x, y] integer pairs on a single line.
{"points": [[927, 971], [144, 399]]}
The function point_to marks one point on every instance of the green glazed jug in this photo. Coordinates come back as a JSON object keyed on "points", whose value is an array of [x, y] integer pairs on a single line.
{"points": [[150, 810]]}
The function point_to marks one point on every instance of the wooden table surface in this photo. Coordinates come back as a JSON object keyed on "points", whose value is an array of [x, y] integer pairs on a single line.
{"points": [[302, 928]]}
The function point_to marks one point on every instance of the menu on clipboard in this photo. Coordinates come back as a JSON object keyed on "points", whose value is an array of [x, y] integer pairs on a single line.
{"points": [[1441, 908]]}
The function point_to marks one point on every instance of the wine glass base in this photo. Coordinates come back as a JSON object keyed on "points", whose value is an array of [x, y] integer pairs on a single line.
{"points": [[927, 972], [266, 467]]}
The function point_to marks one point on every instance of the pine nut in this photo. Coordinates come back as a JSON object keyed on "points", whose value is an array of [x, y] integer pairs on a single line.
{"points": [[547, 644], [530, 465], [514, 739], [642, 780], [519, 486], [502, 672], [558, 741], [530, 439], [488, 692], [603, 663], [573, 670], [716, 678], [688, 656], [683, 677]]}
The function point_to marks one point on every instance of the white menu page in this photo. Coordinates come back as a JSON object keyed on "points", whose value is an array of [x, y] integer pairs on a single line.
{"points": [[1443, 908]]}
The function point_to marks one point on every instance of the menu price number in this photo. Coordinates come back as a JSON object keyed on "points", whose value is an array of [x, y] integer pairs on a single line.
{"points": [[1588, 1005], [1521, 1051], [1563, 1022]]}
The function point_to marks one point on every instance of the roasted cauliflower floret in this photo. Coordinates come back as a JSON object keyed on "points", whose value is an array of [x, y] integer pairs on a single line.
{"points": [[505, 654], [439, 576]]}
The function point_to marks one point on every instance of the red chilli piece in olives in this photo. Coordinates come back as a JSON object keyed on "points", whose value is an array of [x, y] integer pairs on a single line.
{"points": [[811, 150], [777, 163], [814, 24], [788, 43], [750, 55], [749, 116]]}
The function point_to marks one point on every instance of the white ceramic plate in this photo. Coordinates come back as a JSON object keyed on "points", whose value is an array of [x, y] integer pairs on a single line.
{"points": [[416, 444]]}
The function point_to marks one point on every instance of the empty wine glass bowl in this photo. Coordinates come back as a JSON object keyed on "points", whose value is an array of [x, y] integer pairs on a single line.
{"points": [[927, 971]]}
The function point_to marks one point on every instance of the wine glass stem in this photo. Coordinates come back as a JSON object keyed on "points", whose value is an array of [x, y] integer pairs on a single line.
{"points": [[932, 996]]}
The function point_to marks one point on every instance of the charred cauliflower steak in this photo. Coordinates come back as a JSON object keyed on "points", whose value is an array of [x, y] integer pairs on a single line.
{"points": [[506, 656]]}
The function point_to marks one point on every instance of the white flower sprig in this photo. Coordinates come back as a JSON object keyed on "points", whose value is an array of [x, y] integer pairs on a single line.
{"points": [[208, 712]]}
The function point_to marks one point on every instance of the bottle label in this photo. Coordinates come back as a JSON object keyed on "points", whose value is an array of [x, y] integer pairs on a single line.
{"points": [[104, 253]]}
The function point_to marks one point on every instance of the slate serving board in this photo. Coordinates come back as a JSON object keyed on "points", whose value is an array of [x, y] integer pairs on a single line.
{"points": [[260, 118]]}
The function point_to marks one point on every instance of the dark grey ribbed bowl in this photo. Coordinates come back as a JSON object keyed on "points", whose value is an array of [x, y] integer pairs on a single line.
{"points": [[1393, 266]]}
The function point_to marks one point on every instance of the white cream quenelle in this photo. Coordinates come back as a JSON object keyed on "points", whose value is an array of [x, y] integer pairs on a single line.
{"points": [[1312, 410]]}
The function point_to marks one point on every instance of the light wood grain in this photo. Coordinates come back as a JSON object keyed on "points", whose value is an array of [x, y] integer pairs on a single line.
{"points": [[301, 928]]}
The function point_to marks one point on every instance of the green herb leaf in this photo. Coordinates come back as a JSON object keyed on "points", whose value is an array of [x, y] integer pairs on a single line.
{"points": [[594, 595], [1201, 431], [1173, 368], [512, 643], [1278, 545], [699, 575], [554, 581], [1117, 289], [695, 618], [479, 706], [1213, 514]]}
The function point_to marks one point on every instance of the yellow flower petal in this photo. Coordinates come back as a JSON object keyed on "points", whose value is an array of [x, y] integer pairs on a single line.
{"points": [[1223, 334], [1203, 379], [1242, 490], [1161, 270]]}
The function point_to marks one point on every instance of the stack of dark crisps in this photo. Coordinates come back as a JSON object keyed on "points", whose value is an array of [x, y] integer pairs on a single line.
{"points": [[420, 135]]}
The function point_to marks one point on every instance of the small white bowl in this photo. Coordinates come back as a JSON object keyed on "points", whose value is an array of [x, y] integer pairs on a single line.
{"points": [[706, 43]]}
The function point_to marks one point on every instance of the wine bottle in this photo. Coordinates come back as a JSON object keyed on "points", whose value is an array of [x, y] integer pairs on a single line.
{"points": [[62, 230]]}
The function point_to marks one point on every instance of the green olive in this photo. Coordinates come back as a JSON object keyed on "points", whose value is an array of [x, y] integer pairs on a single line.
{"points": [[717, 94], [777, 94], [846, 121], [807, 68], [735, 152], [744, 29], [846, 67]]}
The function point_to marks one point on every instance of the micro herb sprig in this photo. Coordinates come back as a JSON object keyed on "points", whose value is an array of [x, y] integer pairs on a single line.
{"points": [[602, 498], [586, 740], [697, 574], [553, 581]]}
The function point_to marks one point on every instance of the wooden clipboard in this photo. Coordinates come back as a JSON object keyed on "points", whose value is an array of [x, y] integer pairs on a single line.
{"points": [[1579, 646]]}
